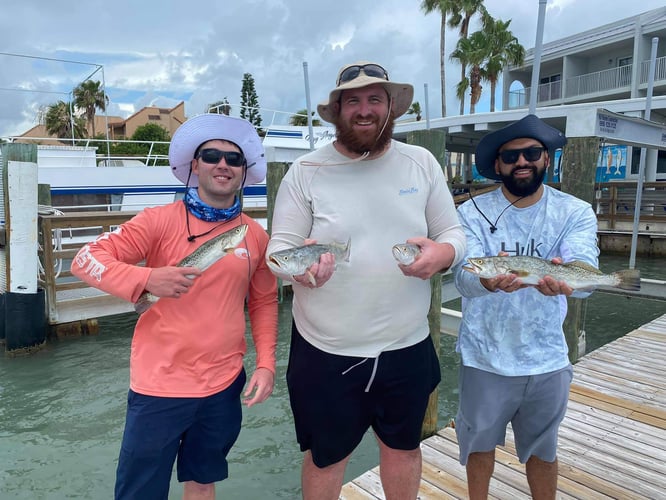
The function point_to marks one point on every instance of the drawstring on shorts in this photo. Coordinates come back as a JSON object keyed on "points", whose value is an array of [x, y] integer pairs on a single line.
{"points": [[372, 375]]}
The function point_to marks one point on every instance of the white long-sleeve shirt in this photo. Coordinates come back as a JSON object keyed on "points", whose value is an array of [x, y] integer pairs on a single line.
{"points": [[368, 306]]}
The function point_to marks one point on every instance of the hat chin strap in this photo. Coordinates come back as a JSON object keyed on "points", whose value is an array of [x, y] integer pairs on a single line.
{"points": [[388, 114]]}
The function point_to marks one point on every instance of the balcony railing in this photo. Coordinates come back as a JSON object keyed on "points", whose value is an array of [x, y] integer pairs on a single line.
{"points": [[606, 81], [659, 70], [600, 81]]}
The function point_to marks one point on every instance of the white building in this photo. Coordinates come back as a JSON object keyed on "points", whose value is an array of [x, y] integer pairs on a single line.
{"points": [[604, 68]]}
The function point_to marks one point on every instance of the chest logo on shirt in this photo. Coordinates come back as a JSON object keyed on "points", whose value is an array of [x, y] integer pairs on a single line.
{"points": [[241, 253], [532, 248], [408, 191]]}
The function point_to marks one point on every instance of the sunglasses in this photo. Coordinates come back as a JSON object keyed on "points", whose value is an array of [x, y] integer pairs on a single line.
{"points": [[351, 72], [213, 156], [509, 156]]}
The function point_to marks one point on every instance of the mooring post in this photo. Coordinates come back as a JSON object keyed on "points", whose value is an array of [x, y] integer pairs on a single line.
{"points": [[577, 176], [435, 142], [24, 313], [274, 175]]}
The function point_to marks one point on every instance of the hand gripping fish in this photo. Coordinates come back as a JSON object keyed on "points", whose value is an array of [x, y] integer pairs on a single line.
{"points": [[202, 258], [296, 261], [577, 275]]}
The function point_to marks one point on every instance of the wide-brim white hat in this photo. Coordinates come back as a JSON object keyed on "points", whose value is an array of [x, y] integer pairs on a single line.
{"points": [[402, 93], [207, 127]]}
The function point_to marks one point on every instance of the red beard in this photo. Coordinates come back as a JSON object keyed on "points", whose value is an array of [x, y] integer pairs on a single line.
{"points": [[363, 142]]}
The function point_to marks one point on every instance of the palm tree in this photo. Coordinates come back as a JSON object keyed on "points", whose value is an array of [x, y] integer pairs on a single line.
{"points": [[60, 122], [462, 12], [300, 118], [445, 7], [415, 109], [471, 51], [89, 97], [504, 50]]}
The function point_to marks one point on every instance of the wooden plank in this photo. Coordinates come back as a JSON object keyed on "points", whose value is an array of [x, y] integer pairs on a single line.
{"points": [[371, 483], [567, 487], [579, 466], [621, 426], [639, 411], [503, 483], [352, 491], [591, 438], [436, 475], [609, 386], [623, 368]]}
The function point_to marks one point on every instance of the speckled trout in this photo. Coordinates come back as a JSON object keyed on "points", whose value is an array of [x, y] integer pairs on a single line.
{"points": [[405, 253], [296, 261], [202, 258], [578, 275]]}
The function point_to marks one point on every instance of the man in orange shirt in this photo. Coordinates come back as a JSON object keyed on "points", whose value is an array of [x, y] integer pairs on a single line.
{"points": [[186, 364]]}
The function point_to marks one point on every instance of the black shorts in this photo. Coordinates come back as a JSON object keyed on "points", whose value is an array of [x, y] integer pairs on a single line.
{"points": [[335, 399]]}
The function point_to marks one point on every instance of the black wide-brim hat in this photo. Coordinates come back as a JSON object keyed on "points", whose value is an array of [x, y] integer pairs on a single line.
{"points": [[529, 127]]}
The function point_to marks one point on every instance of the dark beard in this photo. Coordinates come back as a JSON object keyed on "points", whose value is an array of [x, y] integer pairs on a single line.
{"points": [[522, 187], [360, 144]]}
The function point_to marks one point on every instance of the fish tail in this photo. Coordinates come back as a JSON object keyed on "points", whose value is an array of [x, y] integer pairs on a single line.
{"points": [[345, 257], [145, 302], [629, 279]]}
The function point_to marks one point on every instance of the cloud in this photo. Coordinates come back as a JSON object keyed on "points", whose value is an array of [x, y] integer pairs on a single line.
{"points": [[197, 51]]}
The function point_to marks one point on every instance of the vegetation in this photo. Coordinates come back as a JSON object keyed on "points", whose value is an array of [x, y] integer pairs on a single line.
{"points": [[89, 97], [415, 109], [300, 118], [504, 49], [486, 52], [250, 101], [60, 122], [147, 134]]}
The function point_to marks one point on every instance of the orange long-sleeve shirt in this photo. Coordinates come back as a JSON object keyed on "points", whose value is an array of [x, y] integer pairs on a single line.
{"points": [[192, 346]]}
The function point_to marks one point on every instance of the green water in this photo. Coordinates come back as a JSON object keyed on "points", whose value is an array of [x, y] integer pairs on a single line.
{"points": [[62, 409]]}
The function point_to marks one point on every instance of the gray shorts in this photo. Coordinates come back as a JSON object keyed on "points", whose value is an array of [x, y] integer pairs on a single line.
{"points": [[534, 405]]}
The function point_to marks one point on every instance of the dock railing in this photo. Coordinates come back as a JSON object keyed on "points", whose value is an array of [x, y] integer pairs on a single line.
{"points": [[614, 203], [61, 236]]}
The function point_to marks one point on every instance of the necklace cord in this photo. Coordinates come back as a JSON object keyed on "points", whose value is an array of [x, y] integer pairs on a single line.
{"points": [[493, 227]]}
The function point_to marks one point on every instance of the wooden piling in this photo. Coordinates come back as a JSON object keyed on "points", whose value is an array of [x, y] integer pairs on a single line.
{"points": [[435, 142], [577, 174], [274, 175]]}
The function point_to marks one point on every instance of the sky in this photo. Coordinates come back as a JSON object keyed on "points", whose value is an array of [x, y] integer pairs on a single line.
{"points": [[163, 52]]}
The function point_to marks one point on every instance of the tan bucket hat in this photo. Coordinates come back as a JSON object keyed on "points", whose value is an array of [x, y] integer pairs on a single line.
{"points": [[361, 74]]}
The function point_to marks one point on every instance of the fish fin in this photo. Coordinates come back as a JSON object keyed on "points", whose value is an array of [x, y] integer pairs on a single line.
{"points": [[311, 278], [146, 300], [630, 279], [520, 273], [583, 265], [347, 250], [344, 247]]}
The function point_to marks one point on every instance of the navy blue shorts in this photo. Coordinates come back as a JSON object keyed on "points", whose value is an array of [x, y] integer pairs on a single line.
{"points": [[199, 431], [336, 399]]}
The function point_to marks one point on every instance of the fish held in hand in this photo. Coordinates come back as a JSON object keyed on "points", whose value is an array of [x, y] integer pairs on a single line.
{"points": [[296, 261], [406, 253], [202, 258], [577, 275]]}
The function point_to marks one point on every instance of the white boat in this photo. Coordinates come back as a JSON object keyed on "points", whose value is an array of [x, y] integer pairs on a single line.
{"points": [[79, 179]]}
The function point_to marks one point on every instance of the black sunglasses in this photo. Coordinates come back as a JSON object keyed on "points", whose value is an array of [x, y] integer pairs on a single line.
{"points": [[509, 156], [351, 72], [213, 156]]}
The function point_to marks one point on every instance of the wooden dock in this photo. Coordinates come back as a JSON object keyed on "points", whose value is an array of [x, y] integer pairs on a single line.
{"points": [[612, 443]]}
